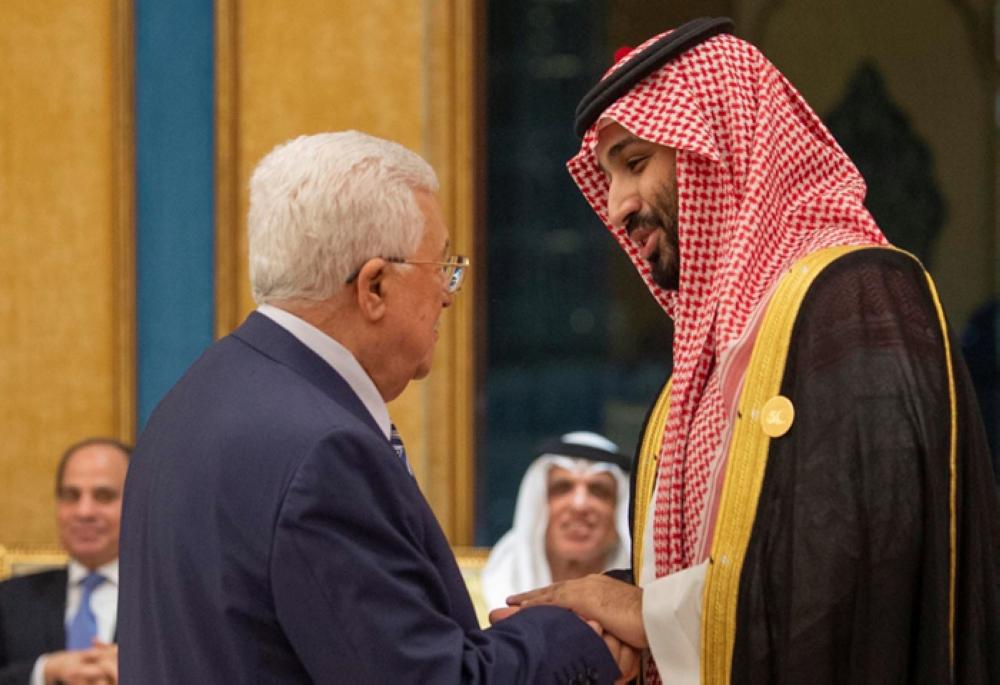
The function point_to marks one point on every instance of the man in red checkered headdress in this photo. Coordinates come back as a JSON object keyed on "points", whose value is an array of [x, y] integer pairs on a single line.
{"points": [[814, 501]]}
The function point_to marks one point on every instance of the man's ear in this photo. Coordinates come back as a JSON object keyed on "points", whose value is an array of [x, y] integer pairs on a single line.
{"points": [[370, 288]]}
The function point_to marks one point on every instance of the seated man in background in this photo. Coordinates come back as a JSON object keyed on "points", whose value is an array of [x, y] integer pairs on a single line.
{"points": [[570, 519], [59, 625]]}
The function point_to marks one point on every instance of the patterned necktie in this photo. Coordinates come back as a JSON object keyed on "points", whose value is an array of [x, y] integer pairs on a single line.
{"points": [[397, 444], [82, 629]]}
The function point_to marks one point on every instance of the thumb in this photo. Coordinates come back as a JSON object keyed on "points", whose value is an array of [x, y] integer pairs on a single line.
{"points": [[500, 614]]}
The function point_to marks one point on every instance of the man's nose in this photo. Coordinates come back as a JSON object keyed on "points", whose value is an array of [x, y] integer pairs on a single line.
{"points": [[579, 500], [85, 506], [449, 297], [623, 202]]}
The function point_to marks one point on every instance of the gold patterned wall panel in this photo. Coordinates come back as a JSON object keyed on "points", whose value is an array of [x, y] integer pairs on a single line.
{"points": [[399, 69], [67, 336]]}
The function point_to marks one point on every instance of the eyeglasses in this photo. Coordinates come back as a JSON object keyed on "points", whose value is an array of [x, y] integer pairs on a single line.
{"points": [[452, 270]]}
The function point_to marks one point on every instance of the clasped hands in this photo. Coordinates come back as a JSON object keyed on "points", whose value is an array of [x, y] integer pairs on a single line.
{"points": [[95, 666], [611, 607]]}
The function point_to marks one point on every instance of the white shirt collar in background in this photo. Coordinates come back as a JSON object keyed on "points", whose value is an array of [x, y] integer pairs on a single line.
{"points": [[103, 600]]}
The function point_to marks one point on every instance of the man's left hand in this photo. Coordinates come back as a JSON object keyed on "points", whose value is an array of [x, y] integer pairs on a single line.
{"points": [[108, 660], [617, 606]]}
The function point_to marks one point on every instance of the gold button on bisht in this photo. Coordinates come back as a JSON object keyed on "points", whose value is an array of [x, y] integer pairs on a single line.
{"points": [[777, 416]]}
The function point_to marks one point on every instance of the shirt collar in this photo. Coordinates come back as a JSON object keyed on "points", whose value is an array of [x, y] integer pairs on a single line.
{"points": [[337, 356], [77, 572]]}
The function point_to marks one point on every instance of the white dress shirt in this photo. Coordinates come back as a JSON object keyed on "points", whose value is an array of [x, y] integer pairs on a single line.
{"points": [[671, 613], [103, 602], [337, 356]]}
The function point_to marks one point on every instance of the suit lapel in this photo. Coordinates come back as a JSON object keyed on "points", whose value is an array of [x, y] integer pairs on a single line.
{"points": [[274, 342], [52, 608]]}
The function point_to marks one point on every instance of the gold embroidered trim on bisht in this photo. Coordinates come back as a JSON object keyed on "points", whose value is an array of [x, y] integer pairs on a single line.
{"points": [[645, 475], [952, 471], [746, 464]]}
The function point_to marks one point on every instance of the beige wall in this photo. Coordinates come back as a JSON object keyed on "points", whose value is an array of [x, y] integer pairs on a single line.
{"points": [[66, 284], [400, 69]]}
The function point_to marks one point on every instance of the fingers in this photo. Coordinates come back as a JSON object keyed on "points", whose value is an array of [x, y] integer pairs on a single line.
{"points": [[614, 645], [542, 595], [500, 614], [95, 666], [613, 609], [616, 605], [85, 673], [109, 665], [570, 594], [629, 660], [626, 657]]}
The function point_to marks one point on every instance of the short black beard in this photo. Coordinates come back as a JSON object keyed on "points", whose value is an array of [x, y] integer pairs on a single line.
{"points": [[663, 216]]}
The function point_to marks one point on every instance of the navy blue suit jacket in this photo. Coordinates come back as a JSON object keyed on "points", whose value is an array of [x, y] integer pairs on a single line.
{"points": [[32, 622], [271, 535], [32, 616]]}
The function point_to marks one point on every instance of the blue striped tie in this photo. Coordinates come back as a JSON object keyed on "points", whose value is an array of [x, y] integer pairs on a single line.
{"points": [[397, 444], [82, 630]]}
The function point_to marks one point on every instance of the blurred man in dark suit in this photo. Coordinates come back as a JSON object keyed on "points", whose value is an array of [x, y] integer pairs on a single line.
{"points": [[58, 626]]}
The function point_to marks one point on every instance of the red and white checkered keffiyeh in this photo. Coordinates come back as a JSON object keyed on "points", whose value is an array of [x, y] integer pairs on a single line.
{"points": [[761, 183]]}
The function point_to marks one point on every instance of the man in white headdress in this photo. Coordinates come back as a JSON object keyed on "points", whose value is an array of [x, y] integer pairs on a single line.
{"points": [[570, 519]]}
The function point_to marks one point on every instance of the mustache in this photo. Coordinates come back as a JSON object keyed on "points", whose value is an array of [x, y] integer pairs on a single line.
{"points": [[639, 220]]}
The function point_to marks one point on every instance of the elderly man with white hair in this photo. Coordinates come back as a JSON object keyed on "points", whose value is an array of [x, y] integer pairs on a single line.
{"points": [[272, 531], [570, 519]]}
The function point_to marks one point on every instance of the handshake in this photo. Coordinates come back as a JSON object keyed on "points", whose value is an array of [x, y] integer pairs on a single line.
{"points": [[611, 607]]}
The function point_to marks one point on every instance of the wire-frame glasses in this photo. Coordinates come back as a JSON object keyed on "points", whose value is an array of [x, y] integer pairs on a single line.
{"points": [[452, 270]]}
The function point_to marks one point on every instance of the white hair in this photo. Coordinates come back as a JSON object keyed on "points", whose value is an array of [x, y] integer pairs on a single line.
{"points": [[321, 205]]}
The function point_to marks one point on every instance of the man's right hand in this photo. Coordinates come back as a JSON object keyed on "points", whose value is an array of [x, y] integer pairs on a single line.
{"points": [[95, 666], [626, 657], [615, 605]]}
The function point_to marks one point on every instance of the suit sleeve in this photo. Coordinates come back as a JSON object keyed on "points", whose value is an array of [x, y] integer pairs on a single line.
{"points": [[12, 672], [361, 599], [18, 673]]}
